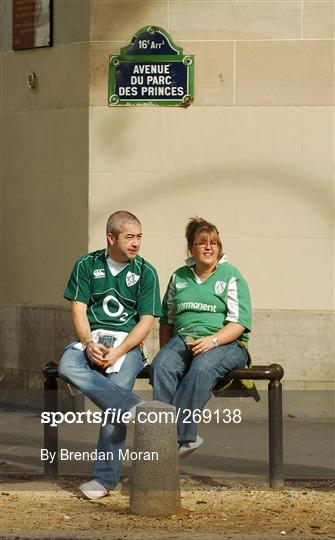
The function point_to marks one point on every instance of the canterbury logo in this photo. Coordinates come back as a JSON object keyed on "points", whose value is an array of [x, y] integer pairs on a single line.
{"points": [[99, 273]]}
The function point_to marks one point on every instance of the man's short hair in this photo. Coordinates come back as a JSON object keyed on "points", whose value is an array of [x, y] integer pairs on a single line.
{"points": [[117, 220]]}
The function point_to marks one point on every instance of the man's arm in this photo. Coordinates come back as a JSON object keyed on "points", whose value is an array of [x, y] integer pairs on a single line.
{"points": [[82, 329], [134, 338], [80, 321]]}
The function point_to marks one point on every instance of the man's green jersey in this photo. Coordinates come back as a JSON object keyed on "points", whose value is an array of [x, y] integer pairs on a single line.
{"points": [[114, 302], [201, 308]]}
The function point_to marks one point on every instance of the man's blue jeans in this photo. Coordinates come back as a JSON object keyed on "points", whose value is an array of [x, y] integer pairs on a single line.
{"points": [[111, 390], [185, 381]]}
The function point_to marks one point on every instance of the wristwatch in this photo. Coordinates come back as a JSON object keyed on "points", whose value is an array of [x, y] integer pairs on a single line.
{"points": [[215, 341]]}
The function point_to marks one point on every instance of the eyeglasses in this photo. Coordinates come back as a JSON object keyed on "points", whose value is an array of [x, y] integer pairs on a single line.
{"points": [[205, 244]]}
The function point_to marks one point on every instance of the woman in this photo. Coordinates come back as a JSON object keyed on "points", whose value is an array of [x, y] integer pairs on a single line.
{"points": [[204, 329]]}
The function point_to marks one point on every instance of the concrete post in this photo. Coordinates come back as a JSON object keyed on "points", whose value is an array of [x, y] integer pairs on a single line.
{"points": [[155, 482]]}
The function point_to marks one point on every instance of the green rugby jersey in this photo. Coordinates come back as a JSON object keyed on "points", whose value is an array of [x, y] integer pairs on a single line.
{"points": [[114, 302], [207, 306]]}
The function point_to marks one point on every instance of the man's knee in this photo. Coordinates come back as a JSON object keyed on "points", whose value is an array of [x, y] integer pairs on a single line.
{"points": [[63, 367], [131, 367], [68, 363]]}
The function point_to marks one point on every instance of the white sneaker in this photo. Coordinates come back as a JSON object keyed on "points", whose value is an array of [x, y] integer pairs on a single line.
{"points": [[93, 490], [189, 447]]}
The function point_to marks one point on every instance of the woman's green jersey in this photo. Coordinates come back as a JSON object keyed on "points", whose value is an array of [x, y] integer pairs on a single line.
{"points": [[202, 308]]}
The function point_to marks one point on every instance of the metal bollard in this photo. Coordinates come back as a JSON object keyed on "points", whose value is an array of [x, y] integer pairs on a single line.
{"points": [[50, 404], [275, 434]]}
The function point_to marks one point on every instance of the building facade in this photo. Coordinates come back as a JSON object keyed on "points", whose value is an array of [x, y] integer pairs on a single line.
{"points": [[254, 154]]}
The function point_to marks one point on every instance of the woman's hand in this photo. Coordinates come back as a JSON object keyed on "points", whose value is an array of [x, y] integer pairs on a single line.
{"points": [[202, 345], [228, 334]]}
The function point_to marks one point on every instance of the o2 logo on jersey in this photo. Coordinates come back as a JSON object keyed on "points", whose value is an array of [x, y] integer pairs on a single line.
{"points": [[111, 302]]}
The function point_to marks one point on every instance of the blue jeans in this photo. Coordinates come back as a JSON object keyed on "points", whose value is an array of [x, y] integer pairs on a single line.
{"points": [[185, 381], [111, 390]]}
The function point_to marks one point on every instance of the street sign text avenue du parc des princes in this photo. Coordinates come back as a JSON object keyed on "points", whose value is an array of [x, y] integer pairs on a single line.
{"points": [[151, 70]]}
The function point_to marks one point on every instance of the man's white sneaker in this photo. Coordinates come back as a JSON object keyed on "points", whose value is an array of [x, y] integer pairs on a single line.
{"points": [[93, 490], [189, 447]]}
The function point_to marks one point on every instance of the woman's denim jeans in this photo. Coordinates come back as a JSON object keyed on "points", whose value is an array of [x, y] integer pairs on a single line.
{"points": [[185, 381], [111, 390]]}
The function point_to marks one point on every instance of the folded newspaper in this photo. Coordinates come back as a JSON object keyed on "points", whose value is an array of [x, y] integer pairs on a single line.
{"points": [[99, 336]]}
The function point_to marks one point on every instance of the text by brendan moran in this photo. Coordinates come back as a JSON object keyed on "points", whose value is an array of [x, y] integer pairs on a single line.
{"points": [[64, 454]]}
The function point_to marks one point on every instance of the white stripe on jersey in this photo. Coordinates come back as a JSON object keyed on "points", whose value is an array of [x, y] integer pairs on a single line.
{"points": [[137, 264], [77, 276], [232, 301], [153, 298]]}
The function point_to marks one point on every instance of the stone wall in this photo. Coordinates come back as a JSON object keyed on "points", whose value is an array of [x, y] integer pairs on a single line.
{"points": [[44, 159], [30, 336]]}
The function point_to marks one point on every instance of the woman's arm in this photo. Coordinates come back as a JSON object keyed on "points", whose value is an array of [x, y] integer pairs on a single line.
{"points": [[229, 333], [237, 318], [165, 333], [168, 315]]}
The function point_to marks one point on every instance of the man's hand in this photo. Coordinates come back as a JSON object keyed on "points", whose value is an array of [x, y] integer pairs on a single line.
{"points": [[111, 357], [134, 338], [96, 352]]}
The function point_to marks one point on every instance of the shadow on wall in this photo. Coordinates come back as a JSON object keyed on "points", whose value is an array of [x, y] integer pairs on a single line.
{"points": [[118, 142], [278, 198], [281, 190]]}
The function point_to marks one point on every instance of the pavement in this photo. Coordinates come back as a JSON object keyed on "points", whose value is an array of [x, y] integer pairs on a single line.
{"points": [[230, 449], [235, 451], [114, 535]]}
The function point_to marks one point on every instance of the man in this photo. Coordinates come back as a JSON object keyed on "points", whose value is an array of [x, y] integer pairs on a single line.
{"points": [[114, 295]]}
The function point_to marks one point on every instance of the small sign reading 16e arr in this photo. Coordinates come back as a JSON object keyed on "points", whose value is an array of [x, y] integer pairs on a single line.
{"points": [[151, 70]]}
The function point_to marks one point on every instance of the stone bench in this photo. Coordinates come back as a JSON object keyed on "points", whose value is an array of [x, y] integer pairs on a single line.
{"points": [[273, 373]]}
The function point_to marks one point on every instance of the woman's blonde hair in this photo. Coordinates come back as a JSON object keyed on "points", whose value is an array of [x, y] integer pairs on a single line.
{"points": [[198, 229]]}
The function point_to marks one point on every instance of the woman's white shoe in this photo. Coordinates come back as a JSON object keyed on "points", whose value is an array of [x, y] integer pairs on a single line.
{"points": [[189, 447]]}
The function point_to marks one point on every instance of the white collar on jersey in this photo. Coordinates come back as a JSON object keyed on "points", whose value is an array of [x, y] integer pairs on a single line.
{"points": [[115, 267], [191, 262]]}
